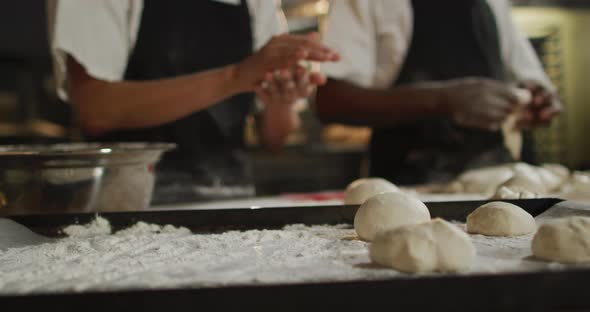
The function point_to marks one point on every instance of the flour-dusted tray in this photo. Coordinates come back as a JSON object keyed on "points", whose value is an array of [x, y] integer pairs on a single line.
{"points": [[216, 220], [563, 289]]}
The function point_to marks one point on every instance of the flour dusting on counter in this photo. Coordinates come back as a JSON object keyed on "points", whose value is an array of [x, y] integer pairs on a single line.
{"points": [[146, 256], [153, 256], [98, 226]]}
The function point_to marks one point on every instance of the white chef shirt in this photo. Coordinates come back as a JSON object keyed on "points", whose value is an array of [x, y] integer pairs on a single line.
{"points": [[373, 37], [101, 34]]}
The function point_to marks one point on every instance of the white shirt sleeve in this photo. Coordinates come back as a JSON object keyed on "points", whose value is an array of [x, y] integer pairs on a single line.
{"points": [[98, 34], [520, 61], [268, 20], [372, 36]]}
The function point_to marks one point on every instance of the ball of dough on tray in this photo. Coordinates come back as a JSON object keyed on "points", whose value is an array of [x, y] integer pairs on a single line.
{"points": [[483, 180], [360, 190], [565, 240], [578, 183], [551, 180], [360, 181], [520, 182], [540, 176], [434, 246], [387, 211], [557, 169], [500, 219], [504, 192]]}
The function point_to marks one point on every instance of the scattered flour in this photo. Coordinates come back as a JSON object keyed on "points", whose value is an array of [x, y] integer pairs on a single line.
{"points": [[152, 256], [98, 226], [141, 228], [147, 256], [101, 226]]}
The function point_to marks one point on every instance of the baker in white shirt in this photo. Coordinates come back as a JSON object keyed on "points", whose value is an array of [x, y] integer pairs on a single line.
{"points": [[435, 80], [183, 72]]}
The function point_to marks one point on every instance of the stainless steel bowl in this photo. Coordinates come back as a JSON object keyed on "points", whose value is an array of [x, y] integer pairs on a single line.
{"points": [[77, 177]]}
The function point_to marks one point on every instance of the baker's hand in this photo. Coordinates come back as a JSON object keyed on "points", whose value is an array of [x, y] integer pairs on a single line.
{"points": [[544, 106], [478, 102], [282, 52], [286, 87], [279, 93]]}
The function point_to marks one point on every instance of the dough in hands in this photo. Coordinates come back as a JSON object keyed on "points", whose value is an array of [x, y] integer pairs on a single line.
{"points": [[513, 135], [500, 219], [434, 246], [360, 190], [565, 240], [387, 211]]}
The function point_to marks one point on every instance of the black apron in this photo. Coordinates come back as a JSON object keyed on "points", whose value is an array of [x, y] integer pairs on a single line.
{"points": [[451, 39], [184, 37]]}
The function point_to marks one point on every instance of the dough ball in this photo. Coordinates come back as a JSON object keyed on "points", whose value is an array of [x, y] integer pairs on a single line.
{"points": [[504, 192], [527, 176], [500, 219], [558, 170], [523, 96], [360, 190], [552, 179], [483, 180], [578, 183], [434, 246], [454, 187], [360, 181], [520, 183], [549, 177], [525, 169], [386, 211], [521, 177], [564, 240]]}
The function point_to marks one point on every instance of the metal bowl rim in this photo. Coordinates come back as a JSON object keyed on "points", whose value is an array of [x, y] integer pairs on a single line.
{"points": [[83, 149]]}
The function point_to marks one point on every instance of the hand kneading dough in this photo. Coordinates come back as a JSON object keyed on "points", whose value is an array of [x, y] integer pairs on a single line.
{"points": [[435, 246], [564, 240], [360, 190], [500, 219], [513, 135], [386, 211]]}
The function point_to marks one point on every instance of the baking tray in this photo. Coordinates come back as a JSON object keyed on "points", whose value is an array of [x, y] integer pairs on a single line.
{"points": [[539, 291], [219, 220], [547, 291]]}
